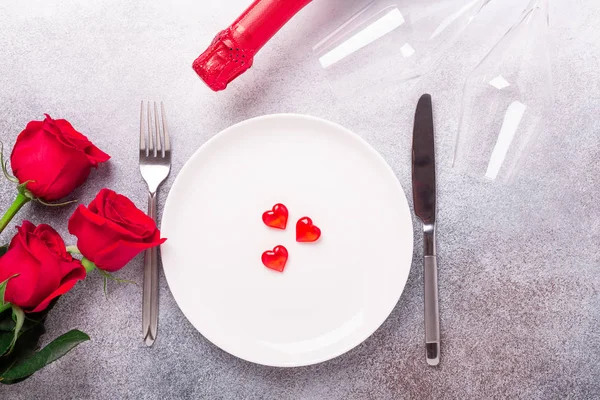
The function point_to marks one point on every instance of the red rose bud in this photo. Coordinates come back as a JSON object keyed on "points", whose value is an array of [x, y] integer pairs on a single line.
{"points": [[112, 230], [56, 157], [232, 51], [44, 269]]}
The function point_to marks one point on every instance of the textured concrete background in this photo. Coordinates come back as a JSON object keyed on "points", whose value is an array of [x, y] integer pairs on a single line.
{"points": [[519, 283]]}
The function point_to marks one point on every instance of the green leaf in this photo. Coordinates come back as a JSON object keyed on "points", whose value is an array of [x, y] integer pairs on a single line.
{"points": [[7, 327], [52, 352], [19, 318], [5, 341], [25, 348], [3, 288], [6, 322], [4, 305], [40, 316]]}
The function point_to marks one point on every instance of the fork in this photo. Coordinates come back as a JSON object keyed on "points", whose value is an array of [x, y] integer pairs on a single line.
{"points": [[155, 164]]}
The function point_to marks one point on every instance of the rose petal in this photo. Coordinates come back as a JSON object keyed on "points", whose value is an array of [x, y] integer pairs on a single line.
{"points": [[49, 274], [112, 230], [85, 224], [81, 142], [19, 261], [68, 177], [52, 240], [101, 220], [74, 273], [119, 254], [44, 268], [55, 170], [129, 217], [97, 205], [55, 157]]}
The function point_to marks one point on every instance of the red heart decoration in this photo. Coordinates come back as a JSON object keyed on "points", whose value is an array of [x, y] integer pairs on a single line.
{"points": [[306, 231], [276, 258], [277, 217]]}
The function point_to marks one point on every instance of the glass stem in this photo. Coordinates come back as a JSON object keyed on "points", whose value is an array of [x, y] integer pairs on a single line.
{"points": [[14, 208]]}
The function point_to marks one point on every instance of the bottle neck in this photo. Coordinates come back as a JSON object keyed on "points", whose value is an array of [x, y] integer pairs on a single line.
{"points": [[232, 51], [262, 20]]}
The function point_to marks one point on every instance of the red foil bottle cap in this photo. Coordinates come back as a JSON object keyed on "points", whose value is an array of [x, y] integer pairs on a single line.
{"points": [[223, 61]]}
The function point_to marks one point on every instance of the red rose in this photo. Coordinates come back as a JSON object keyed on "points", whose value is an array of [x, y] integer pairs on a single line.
{"points": [[112, 230], [55, 157], [45, 269]]}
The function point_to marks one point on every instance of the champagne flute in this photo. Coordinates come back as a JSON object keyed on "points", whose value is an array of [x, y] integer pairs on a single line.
{"points": [[505, 98], [402, 38]]}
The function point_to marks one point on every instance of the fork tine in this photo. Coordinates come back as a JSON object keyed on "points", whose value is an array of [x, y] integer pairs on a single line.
{"points": [[157, 133], [166, 140], [150, 134], [142, 130]]}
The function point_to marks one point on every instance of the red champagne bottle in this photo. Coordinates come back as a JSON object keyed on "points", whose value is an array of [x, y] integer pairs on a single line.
{"points": [[232, 51]]}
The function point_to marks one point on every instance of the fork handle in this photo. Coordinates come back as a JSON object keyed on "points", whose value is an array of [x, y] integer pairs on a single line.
{"points": [[150, 295]]}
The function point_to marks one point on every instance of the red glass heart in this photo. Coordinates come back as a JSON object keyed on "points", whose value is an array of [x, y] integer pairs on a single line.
{"points": [[277, 217], [306, 231], [275, 259]]}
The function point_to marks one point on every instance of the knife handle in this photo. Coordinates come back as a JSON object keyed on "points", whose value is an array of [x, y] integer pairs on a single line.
{"points": [[432, 312]]}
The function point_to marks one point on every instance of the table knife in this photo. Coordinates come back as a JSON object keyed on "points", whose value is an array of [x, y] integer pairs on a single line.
{"points": [[424, 196]]}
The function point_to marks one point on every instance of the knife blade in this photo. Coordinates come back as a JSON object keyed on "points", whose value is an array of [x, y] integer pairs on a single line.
{"points": [[424, 198]]}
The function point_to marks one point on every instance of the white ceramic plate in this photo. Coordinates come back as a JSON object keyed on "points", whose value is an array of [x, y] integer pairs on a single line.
{"points": [[334, 293]]}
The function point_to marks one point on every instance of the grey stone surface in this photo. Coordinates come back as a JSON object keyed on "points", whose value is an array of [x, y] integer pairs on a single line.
{"points": [[519, 283]]}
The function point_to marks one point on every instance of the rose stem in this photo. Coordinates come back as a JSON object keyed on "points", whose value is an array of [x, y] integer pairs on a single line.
{"points": [[14, 208]]}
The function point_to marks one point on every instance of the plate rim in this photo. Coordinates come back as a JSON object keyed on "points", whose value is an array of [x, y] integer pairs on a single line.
{"points": [[226, 131]]}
